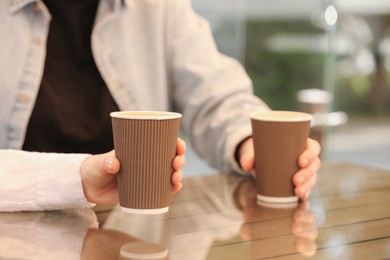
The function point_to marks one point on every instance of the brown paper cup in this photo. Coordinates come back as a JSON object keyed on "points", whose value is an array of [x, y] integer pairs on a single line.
{"points": [[279, 138], [145, 144]]}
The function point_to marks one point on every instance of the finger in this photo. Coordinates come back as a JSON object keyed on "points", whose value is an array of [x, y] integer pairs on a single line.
{"points": [[303, 191], [99, 183], [247, 163], [246, 231], [305, 247], [100, 165], [312, 152], [180, 146], [247, 156], [304, 216], [179, 162], [177, 187], [303, 206], [305, 179], [305, 173], [304, 230], [177, 177], [110, 163]]}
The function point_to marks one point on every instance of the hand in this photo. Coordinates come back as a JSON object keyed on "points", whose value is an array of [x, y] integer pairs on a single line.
{"points": [[303, 222], [304, 228], [308, 162], [98, 175]]}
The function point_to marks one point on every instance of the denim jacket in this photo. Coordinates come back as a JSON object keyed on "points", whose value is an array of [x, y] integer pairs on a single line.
{"points": [[152, 54]]}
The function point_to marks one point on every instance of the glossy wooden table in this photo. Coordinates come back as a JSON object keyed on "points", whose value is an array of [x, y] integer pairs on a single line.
{"points": [[217, 217]]}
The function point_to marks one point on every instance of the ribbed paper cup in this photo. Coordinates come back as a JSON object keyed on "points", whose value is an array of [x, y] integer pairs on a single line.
{"points": [[279, 138], [145, 144]]}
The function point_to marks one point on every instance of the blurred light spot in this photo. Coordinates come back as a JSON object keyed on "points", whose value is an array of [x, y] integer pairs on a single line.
{"points": [[365, 61], [336, 118], [348, 188], [318, 210], [338, 243], [331, 15], [387, 64]]}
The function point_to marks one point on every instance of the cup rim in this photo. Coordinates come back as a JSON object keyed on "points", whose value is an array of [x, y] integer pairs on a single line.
{"points": [[144, 211], [145, 115], [160, 250], [299, 116]]}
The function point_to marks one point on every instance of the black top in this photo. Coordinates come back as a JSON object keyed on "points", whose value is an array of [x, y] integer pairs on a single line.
{"points": [[72, 109]]}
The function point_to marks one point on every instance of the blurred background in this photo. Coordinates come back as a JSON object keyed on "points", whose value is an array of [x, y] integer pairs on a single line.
{"points": [[327, 57]]}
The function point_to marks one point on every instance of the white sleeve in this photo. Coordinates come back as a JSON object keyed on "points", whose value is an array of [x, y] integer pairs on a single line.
{"points": [[45, 235], [32, 181]]}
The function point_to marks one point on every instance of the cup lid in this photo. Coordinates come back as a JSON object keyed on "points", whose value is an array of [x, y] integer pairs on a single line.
{"points": [[146, 115], [281, 116]]}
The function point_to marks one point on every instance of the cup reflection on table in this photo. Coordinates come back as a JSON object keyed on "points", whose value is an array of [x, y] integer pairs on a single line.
{"points": [[107, 244], [266, 220]]}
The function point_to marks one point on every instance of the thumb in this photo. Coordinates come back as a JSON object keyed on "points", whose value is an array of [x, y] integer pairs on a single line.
{"points": [[247, 161], [101, 164], [247, 156], [98, 177], [109, 163]]}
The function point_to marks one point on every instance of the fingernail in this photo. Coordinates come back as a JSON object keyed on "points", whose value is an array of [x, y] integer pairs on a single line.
{"points": [[110, 162]]}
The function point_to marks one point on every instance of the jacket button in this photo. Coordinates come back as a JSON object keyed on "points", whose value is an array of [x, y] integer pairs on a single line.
{"points": [[38, 7], [38, 41], [23, 98]]}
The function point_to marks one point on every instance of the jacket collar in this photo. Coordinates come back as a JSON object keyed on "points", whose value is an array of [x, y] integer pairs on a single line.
{"points": [[16, 5]]}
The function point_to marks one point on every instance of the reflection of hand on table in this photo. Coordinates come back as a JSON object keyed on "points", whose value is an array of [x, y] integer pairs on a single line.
{"points": [[44, 234], [304, 229], [270, 221]]}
